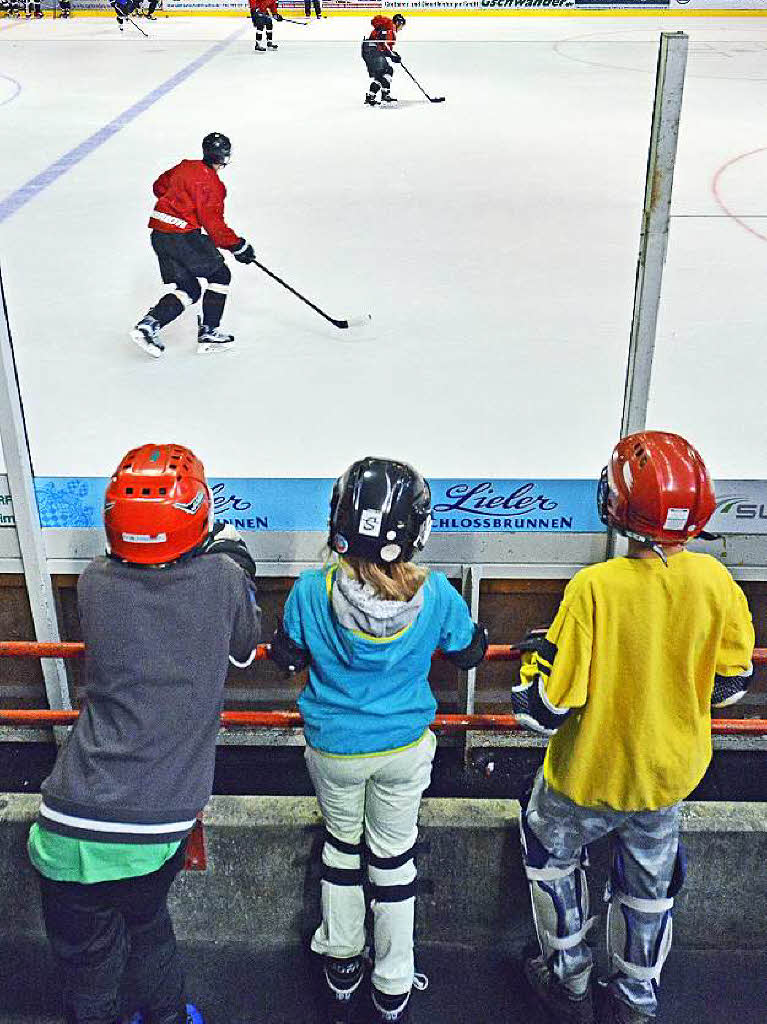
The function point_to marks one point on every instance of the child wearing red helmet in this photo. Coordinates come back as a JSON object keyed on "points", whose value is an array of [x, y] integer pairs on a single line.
{"points": [[623, 681], [161, 615]]}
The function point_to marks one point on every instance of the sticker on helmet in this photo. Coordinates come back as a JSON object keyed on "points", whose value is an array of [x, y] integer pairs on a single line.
{"points": [[370, 522], [627, 476], [341, 544], [192, 506], [390, 551], [676, 519], [140, 538]]}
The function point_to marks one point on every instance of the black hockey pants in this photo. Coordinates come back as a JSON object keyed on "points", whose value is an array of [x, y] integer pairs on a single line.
{"points": [[108, 933]]}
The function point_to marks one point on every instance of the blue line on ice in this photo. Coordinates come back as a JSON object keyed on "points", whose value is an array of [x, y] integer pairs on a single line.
{"points": [[32, 188]]}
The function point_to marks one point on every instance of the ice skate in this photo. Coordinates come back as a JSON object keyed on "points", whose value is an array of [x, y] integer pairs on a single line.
{"points": [[389, 1009], [342, 978], [386, 97], [211, 340], [151, 17], [554, 997], [260, 48], [146, 334], [271, 46], [612, 1010], [370, 99]]}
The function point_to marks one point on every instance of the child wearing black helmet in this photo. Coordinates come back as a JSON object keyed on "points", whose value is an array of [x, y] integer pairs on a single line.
{"points": [[367, 626]]}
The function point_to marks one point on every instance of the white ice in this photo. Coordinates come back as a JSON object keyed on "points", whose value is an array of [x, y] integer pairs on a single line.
{"points": [[493, 238]]}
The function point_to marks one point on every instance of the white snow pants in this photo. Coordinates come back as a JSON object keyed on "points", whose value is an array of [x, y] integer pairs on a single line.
{"points": [[380, 794]]}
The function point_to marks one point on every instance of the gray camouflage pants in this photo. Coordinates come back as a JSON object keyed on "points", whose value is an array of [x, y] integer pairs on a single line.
{"points": [[647, 868]]}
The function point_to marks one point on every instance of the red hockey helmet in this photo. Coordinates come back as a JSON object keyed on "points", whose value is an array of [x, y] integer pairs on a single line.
{"points": [[656, 489], [157, 505]]}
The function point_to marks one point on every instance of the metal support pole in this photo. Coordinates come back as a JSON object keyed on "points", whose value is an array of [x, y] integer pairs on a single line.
{"points": [[471, 576], [653, 243], [15, 444]]}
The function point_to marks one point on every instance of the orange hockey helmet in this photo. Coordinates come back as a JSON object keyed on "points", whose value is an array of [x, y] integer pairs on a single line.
{"points": [[157, 505], [656, 489]]}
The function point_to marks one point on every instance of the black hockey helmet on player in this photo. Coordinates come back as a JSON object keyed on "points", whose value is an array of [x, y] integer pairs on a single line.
{"points": [[380, 511], [399, 19], [216, 149]]}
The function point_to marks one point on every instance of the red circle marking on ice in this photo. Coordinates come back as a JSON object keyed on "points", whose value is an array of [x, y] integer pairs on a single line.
{"points": [[721, 202]]}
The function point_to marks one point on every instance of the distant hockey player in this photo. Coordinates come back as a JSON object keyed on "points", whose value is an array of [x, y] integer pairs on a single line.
{"points": [[261, 14], [623, 681], [317, 8], [34, 9], [377, 51], [66, 8], [190, 197]]}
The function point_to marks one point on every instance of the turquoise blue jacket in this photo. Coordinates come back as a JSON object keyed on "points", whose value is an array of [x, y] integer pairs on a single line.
{"points": [[370, 694]]}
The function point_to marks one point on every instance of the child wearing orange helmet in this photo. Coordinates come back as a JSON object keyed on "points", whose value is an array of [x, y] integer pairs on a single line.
{"points": [[161, 615], [623, 681]]}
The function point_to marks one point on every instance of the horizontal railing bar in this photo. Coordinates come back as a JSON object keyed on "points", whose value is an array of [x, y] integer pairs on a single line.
{"points": [[292, 720], [30, 649]]}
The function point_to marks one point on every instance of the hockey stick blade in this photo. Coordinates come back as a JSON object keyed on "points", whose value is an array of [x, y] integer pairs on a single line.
{"points": [[436, 99], [353, 321]]}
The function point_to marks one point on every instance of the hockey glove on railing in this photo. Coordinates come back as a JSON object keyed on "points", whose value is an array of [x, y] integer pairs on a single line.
{"points": [[395, 57], [244, 252], [286, 653], [223, 539], [471, 655]]}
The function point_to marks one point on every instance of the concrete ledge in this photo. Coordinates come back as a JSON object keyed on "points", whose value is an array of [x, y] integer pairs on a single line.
{"points": [[262, 883]]}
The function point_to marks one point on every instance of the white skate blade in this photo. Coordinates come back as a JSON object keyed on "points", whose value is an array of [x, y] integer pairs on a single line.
{"points": [[207, 348], [138, 339]]}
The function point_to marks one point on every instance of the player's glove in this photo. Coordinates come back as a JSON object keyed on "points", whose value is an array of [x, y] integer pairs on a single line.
{"points": [[395, 57], [277, 16], [244, 253], [223, 539]]}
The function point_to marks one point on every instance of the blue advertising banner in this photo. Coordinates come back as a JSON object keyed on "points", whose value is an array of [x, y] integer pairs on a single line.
{"points": [[459, 506]]}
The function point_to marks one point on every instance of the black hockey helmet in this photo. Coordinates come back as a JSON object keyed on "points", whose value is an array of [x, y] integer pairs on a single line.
{"points": [[216, 149], [399, 19], [380, 511]]}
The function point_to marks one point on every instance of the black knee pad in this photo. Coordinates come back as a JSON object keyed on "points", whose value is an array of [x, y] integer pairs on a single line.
{"points": [[221, 275]]}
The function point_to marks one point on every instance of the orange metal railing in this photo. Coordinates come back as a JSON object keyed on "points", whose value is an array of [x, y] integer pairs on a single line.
{"points": [[292, 719]]}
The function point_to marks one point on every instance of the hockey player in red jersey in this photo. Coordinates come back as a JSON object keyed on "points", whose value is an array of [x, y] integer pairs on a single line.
{"points": [[377, 51], [190, 200], [261, 14]]}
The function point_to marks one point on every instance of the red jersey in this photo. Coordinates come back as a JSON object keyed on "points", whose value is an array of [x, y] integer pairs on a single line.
{"points": [[191, 196], [266, 7], [385, 31]]}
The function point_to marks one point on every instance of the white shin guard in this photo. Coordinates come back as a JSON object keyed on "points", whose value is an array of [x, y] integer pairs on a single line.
{"points": [[560, 904], [623, 933]]}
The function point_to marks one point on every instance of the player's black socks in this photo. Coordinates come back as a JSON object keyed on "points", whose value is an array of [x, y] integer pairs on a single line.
{"points": [[212, 308]]}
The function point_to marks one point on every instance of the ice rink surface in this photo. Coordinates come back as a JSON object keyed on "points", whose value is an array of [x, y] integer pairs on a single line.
{"points": [[493, 238]]}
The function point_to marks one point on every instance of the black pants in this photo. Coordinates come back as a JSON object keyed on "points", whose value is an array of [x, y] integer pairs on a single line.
{"points": [[110, 935], [308, 8]]}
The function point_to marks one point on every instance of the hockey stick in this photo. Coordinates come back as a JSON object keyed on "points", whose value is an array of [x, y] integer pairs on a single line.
{"points": [[356, 321], [294, 22], [431, 99]]}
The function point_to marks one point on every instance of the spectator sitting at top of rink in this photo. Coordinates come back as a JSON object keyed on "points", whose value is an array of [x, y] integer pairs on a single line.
{"points": [[367, 627], [161, 616], [624, 680], [190, 197]]}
